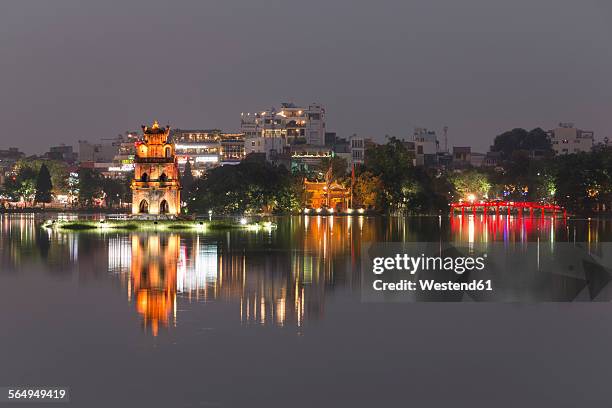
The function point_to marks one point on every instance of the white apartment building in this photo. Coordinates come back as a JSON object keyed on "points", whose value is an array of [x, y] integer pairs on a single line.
{"points": [[98, 152], [261, 144], [357, 150], [566, 139], [206, 148], [290, 122], [426, 146]]}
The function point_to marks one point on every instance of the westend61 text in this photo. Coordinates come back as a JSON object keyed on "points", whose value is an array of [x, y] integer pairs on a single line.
{"points": [[431, 285]]}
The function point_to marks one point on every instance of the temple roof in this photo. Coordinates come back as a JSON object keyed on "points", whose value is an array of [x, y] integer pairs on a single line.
{"points": [[155, 129]]}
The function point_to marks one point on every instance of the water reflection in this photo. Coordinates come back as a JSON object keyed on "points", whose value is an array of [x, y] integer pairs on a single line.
{"points": [[152, 281], [280, 278], [495, 228]]}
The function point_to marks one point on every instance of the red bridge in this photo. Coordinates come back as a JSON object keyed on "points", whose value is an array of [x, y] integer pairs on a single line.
{"points": [[509, 206]]}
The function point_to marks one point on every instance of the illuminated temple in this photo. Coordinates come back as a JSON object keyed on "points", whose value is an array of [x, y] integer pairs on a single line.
{"points": [[156, 186], [327, 194]]}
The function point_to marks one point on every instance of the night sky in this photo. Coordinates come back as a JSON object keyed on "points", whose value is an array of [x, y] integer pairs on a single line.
{"points": [[72, 70]]}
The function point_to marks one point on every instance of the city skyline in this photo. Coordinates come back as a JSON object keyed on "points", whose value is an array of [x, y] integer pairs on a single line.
{"points": [[95, 70]]}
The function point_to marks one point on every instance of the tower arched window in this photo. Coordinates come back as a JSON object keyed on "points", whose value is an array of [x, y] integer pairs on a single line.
{"points": [[143, 208], [163, 177], [164, 208], [168, 152], [144, 177]]}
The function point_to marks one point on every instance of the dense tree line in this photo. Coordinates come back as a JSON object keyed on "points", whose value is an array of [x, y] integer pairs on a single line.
{"points": [[38, 181], [252, 186], [388, 182]]}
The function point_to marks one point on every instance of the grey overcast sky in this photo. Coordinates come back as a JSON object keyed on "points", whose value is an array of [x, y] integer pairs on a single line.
{"points": [[72, 70]]}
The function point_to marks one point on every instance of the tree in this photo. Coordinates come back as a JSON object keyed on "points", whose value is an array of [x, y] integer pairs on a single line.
{"points": [[338, 165], [367, 191], [187, 182], [22, 186], [27, 190], [43, 185], [57, 169], [252, 186], [392, 163], [90, 187], [470, 184], [115, 191], [583, 182], [520, 139]]}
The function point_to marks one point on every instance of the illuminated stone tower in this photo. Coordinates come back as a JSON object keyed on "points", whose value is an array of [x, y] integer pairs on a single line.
{"points": [[156, 186]]}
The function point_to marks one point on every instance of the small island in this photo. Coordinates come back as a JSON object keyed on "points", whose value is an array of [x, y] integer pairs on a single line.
{"points": [[156, 196]]}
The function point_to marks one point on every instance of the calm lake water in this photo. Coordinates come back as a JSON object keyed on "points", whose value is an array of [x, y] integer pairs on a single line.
{"points": [[275, 318]]}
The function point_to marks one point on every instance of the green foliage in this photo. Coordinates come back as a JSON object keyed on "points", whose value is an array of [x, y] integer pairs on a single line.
{"points": [[90, 187], [470, 183], [404, 188], [27, 190], [115, 191], [43, 185], [250, 187], [57, 169], [338, 165], [36, 180], [22, 186], [521, 140], [583, 182], [367, 191], [390, 161], [187, 182]]}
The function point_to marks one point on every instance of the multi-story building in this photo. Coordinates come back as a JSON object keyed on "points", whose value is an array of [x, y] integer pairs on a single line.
{"points": [[410, 149], [342, 149], [232, 148], [8, 158], [330, 138], [566, 139], [462, 156], [426, 147], [62, 153], [206, 148], [492, 159], [270, 146], [352, 150], [477, 159], [294, 123], [195, 135], [201, 147], [123, 162], [315, 125], [308, 157], [99, 152], [357, 150], [11, 154]]}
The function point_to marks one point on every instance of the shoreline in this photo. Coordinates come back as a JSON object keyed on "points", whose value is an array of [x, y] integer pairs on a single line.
{"points": [[205, 217], [105, 225]]}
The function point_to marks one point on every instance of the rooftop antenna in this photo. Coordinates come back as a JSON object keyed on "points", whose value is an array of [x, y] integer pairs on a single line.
{"points": [[446, 139]]}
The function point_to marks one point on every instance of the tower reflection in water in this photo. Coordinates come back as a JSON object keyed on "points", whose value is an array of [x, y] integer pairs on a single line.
{"points": [[153, 284], [275, 286], [279, 278]]}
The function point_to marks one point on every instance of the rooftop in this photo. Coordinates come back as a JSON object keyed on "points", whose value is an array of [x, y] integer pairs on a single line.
{"points": [[155, 129]]}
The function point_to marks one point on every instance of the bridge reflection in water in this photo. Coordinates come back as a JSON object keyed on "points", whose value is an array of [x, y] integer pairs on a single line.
{"points": [[280, 278]]}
